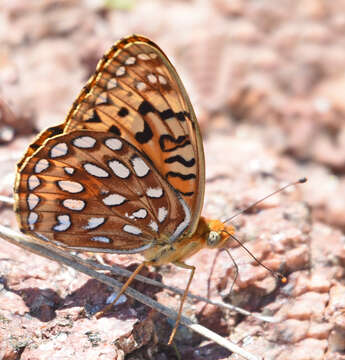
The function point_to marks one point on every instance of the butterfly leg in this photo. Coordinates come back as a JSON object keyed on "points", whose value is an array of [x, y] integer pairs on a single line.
{"points": [[123, 289], [192, 269]]}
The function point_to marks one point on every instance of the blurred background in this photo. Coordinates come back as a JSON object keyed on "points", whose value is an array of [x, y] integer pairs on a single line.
{"points": [[267, 80]]}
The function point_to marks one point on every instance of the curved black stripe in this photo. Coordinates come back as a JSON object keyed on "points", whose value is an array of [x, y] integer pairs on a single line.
{"points": [[145, 107], [182, 176], [144, 136], [182, 115], [168, 138], [181, 160], [186, 193], [166, 114]]}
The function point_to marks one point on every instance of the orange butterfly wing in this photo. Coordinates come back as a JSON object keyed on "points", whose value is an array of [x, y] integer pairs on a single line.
{"points": [[135, 96]]}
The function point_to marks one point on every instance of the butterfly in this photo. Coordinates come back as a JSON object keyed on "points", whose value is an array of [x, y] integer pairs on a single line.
{"points": [[125, 172]]}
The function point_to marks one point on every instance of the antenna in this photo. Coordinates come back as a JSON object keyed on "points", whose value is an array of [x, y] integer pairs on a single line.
{"points": [[275, 274], [299, 181]]}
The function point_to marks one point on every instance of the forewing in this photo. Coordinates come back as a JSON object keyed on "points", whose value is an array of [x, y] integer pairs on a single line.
{"points": [[93, 190]]}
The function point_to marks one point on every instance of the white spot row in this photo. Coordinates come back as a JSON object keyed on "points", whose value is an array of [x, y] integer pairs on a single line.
{"points": [[41, 165], [154, 226], [84, 142], [32, 219], [94, 223], [111, 84], [64, 223], [72, 187], [162, 80], [33, 182], [101, 239], [58, 150], [130, 61], [114, 200], [153, 79], [154, 193], [119, 169], [69, 170], [139, 214], [131, 229], [139, 166], [120, 71], [145, 56], [162, 214], [95, 170], [74, 204], [32, 201], [102, 98], [141, 86], [113, 144]]}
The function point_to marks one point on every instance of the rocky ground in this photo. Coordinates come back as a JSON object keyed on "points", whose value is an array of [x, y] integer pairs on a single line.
{"points": [[267, 79]]}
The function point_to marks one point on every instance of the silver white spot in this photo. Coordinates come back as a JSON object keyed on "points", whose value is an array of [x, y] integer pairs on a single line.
{"points": [[139, 214], [131, 229], [152, 78], [154, 192], [64, 223], [143, 56], [32, 219], [120, 71], [70, 186], [33, 182], [141, 86], [41, 165], [32, 200], [69, 170], [58, 150], [84, 142], [111, 84], [162, 214], [95, 170], [113, 144], [74, 204], [114, 200], [184, 224], [162, 80], [130, 61], [102, 99], [94, 222], [154, 226], [119, 169], [139, 166], [102, 239]]}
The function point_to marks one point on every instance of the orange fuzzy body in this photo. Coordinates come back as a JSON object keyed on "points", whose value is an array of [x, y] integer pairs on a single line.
{"points": [[188, 246]]}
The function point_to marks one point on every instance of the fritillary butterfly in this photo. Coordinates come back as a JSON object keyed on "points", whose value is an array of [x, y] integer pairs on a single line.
{"points": [[125, 172]]}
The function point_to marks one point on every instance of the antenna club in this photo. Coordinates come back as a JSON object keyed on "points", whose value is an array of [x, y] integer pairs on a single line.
{"points": [[282, 279], [302, 180]]}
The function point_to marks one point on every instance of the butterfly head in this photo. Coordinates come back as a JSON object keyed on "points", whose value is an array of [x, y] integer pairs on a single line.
{"points": [[216, 233]]}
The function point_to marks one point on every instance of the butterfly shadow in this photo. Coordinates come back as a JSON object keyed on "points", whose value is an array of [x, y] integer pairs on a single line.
{"points": [[209, 351], [93, 295], [42, 303]]}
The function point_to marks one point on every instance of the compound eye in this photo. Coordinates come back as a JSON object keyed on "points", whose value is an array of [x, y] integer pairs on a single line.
{"points": [[213, 238]]}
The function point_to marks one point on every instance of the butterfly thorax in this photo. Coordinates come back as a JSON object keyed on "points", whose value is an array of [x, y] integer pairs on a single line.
{"points": [[209, 234]]}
